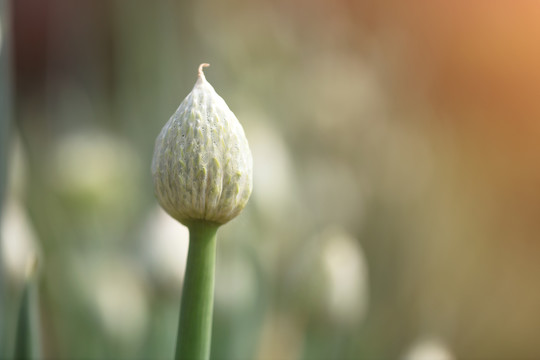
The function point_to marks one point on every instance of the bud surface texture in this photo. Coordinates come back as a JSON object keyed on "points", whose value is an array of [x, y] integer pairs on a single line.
{"points": [[202, 165]]}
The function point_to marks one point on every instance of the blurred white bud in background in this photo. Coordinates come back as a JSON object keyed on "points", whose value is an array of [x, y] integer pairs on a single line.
{"points": [[17, 238], [165, 246], [115, 290], [347, 275], [330, 278], [273, 182], [95, 167], [19, 245], [428, 349]]}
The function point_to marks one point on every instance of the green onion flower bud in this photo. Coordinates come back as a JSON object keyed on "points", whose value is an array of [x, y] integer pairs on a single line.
{"points": [[202, 165]]}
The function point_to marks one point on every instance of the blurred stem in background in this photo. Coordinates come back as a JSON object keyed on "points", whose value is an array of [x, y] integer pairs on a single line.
{"points": [[28, 340], [6, 113]]}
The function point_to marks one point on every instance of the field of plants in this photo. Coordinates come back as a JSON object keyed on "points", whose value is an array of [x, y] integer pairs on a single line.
{"points": [[395, 210]]}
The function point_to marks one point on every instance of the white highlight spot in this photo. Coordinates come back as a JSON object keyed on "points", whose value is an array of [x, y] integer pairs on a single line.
{"points": [[428, 349], [18, 241], [165, 247]]}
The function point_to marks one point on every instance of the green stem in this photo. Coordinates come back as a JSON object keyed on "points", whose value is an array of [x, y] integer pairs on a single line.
{"points": [[6, 119], [28, 341], [195, 325]]}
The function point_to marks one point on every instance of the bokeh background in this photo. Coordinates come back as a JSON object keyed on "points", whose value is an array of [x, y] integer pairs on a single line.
{"points": [[396, 203]]}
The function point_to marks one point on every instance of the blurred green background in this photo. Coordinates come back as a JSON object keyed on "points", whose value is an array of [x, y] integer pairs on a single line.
{"points": [[396, 204]]}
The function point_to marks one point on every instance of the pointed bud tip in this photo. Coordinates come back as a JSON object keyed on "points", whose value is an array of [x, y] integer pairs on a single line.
{"points": [[201, 73]]}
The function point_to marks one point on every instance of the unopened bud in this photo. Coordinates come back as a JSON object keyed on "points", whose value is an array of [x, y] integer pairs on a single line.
{"points": [[202, 165]]}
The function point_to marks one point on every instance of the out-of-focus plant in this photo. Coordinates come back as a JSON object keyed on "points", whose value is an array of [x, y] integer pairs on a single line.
{"points": [[329, 293], [6, 113], [19, 258], [202, 169], [428, 348], [28, 335], [93, 172], [164, 248]]}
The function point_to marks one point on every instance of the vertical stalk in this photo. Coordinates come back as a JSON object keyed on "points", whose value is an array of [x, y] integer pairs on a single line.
{"points": [[195, 324], [27, 338], [6, 114], [22, 340]]}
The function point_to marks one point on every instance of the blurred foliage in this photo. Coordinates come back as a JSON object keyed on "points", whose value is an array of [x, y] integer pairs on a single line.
{"points": [[396, 186]]}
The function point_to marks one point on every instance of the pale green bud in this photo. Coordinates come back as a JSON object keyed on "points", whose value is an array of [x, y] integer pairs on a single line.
{"points": [[202, 165]]}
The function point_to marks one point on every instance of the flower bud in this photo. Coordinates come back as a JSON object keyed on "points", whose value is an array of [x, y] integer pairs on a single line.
{"points": [[202, 165]]}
